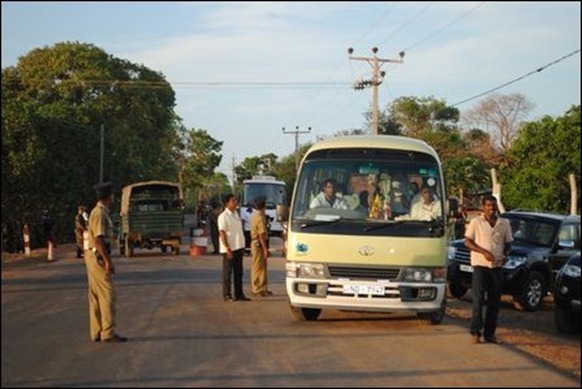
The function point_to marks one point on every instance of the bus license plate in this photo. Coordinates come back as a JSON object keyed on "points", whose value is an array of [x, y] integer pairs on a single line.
{"points": [[467, 268], [374, 290]]}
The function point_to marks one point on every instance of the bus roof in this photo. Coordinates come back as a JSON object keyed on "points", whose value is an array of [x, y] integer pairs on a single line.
{"points": [[375, 141], [263, 180]]}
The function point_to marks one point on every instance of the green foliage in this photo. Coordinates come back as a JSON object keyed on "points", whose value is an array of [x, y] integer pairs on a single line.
{"points": [[202, 156], [419, 115], [541, 159], [55, 102], [466, 173]]}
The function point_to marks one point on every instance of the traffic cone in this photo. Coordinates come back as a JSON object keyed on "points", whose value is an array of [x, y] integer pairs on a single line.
{"points": [[26, 238]]}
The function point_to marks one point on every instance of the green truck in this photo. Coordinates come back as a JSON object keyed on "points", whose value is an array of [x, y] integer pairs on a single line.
{"points": [[151, 216]]}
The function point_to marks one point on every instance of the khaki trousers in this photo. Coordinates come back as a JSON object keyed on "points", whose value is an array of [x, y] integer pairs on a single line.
{"points": [[258, 268], [102, 299]]}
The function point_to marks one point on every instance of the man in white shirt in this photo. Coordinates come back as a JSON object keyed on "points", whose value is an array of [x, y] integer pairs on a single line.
{"points": [[425, 206], [489, 239], [328, 198], [232, 246]]}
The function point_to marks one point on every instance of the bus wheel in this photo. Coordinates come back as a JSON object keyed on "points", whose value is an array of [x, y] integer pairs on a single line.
{"points": [[435, 317], [305, 314]]}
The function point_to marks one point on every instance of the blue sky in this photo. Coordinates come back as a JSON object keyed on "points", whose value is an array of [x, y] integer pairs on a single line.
{"points": [[243, 71]]}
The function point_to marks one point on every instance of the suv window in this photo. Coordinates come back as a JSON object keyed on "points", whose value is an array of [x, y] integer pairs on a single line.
{"points": [[532, 231], [570, 236]]}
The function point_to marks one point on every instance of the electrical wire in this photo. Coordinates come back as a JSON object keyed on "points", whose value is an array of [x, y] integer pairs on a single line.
{"points": [[518, 78]]}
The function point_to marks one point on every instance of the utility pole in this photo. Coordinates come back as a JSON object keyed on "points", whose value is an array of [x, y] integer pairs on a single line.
{"points": [[102, 153], [377, 77], [297, 132], [233, 165]]}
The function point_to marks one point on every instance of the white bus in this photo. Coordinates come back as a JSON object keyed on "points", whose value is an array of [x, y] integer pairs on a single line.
{"points": [[362, 258], [274, 192]]}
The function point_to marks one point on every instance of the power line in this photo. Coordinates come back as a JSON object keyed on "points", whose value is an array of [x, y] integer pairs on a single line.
{"points": [[517, 79], [449, 24]]}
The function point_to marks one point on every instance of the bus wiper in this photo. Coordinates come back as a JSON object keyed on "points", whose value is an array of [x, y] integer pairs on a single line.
{"points": [[314, 223], [379, 226]]}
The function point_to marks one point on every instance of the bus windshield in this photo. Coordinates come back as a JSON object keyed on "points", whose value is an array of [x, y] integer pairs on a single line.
{"points": [[389, 187], [274, 193]]}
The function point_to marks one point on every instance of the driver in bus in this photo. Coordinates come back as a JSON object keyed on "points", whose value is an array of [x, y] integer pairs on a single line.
{"points": [[328, 197]]}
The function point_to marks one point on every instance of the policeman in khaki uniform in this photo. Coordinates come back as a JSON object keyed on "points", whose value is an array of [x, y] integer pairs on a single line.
{"points": [[259, 249], [100, 269]]}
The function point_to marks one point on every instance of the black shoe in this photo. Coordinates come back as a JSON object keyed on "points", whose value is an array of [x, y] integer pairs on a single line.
{"points": [[242, 298], [493, 339], [97, 339], [116, 339], [227, 298]]}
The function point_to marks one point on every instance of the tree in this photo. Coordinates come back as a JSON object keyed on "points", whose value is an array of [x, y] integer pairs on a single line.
{"points": [[201, 157], [419, 115], [543, 155], [501, 116], [54, 103]]}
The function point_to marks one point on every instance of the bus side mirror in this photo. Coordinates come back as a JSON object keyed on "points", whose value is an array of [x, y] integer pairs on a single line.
{"points": [[282, 213], [453, 205]]}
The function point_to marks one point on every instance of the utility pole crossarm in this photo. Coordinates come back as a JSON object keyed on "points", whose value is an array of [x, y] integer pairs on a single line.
{"points": [[297, 132], [377, 78]]}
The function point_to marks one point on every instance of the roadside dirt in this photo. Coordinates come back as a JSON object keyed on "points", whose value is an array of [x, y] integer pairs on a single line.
{"points": [[533, 333]]}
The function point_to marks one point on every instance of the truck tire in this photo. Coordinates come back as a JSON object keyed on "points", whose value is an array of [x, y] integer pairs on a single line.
{"points": [[305, 314], [532, 293]]}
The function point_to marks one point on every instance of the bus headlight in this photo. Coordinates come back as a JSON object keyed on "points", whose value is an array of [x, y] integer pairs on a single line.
{"points": [[305, 270], [430, 275]]}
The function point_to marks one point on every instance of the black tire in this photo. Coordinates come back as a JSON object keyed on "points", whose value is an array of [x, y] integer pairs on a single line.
{"points": [[305, 314], [532, 293], [164, 248], [175, 250], [456, 290], [564, 319], [435, 317]]}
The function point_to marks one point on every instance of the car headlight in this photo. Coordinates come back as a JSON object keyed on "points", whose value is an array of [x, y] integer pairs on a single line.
{"points": [[305, 270], [452, 253], [514, 261], [417, 274], [571, 271]]}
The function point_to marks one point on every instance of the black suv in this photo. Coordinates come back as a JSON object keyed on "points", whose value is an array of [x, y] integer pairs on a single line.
{"points": [[567, 296], [527, 273]]}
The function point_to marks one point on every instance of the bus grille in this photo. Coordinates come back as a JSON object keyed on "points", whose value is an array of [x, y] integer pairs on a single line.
{"points": [[363, 273]]}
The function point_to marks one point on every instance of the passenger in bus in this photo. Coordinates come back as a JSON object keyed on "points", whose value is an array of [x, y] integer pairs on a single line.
{"points": [[425, 207], [399, 202], [372, 199], [328, 197]]}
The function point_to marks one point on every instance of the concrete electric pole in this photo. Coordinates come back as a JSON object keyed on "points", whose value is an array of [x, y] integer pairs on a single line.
{"points": [[377, 77], [297, 132]]}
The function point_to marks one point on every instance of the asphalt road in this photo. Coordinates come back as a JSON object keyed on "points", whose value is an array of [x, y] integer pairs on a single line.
{"points": [[181, 334]]}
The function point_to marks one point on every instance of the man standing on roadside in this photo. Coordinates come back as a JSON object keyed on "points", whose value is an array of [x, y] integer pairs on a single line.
{"points": [[100, 269], [259, 249], [232, 247], [80, 228], [489, 239]]}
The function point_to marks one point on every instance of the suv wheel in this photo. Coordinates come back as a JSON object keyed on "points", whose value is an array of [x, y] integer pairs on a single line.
{"points": [[532, 293], [457, 290]]}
